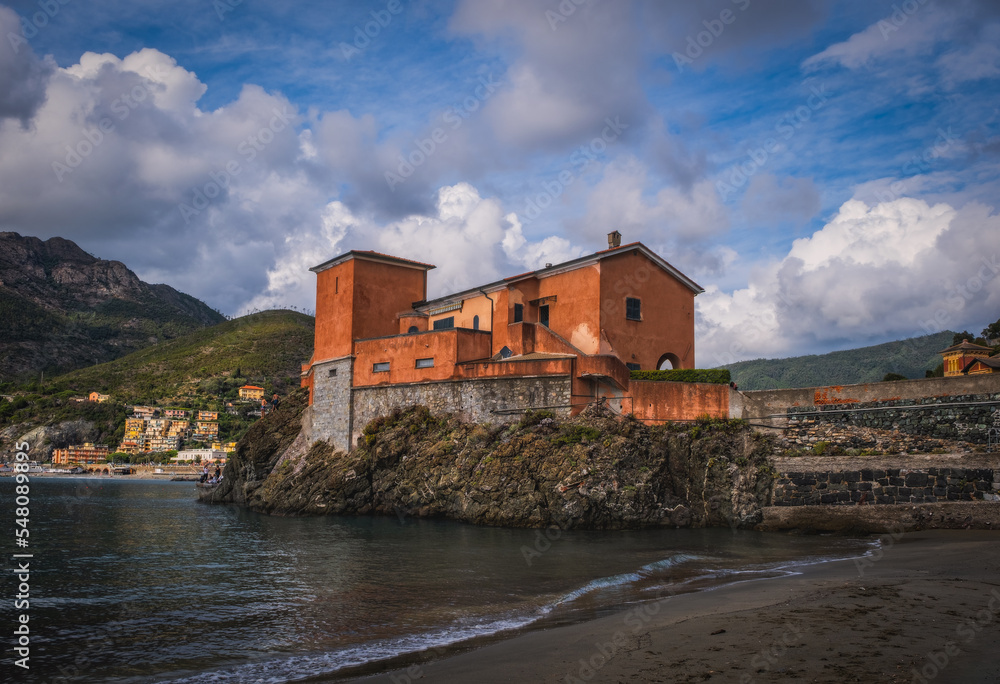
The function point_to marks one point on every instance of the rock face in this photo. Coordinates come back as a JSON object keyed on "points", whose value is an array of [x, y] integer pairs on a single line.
{"points": [[65, 309], [595, 471], [42, 440]]}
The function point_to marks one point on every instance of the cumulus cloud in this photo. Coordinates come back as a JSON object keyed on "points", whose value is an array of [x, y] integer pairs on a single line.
{"points": [[23, 76], [470, 240], [627, 199], [897, 269]]}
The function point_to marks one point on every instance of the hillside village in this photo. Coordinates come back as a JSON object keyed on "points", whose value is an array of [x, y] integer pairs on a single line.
{"points": [[160, 434]]}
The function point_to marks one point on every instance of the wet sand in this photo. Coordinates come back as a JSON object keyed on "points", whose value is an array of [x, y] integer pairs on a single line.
{"points": [[923, 608]]}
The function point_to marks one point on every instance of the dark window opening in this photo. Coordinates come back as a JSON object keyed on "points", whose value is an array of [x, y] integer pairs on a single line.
{"points": [[332, 373], [413, 329], [505, 352], [444, 323], [381, 367], [633, 309], [425, 363], [632, 366], [336, 285], [543, 315], [475, 322], [518, 313]]}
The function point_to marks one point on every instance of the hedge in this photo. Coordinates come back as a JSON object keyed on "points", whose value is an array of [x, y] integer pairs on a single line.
{"points": [[716, 375]]}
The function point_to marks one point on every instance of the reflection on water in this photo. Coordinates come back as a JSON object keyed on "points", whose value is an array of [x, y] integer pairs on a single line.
{"points": [[135, 581]]}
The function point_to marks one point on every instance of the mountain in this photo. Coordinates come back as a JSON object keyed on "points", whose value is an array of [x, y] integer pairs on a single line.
{"points": [[64, 309], [910, 357], [266, 348]]}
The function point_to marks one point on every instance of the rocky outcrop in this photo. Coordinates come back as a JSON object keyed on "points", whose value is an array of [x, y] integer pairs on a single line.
{"points": [[65, 309], [595, 471], [42, 440]]}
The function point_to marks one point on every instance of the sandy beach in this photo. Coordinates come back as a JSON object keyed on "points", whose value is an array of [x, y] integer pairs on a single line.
{"points": [[924, 607]]}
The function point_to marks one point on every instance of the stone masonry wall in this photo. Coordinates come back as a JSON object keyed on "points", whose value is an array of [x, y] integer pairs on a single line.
{"points": [[887, 486], [965, 417], [475, 400], [331, 409]]}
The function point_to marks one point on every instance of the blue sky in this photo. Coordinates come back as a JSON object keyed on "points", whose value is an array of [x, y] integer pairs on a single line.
{"points": [[827, 171]]}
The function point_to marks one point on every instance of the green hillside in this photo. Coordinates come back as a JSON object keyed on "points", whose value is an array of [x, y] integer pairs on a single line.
{"points": [[910, 358], [266, 348], [201, 370]]}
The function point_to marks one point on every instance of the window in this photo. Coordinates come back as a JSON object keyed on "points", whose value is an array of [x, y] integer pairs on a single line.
{"points": [[336, 285], [425, 363], [518, 313], [543, 315], [412, 329], [444, 323], [332, 373], [475, 322], [381, 367], [632, 366], [633, 309]]}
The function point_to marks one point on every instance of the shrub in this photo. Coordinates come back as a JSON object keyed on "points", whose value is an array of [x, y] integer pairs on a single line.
{"points": [[719, 376]]}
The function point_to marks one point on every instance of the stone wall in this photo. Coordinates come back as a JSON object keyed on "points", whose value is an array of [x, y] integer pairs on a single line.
{"points": [[330, 417], [964, 417], [886, 486], [771, 407], [482, 400]]}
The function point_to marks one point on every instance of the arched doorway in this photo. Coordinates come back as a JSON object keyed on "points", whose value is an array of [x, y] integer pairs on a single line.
{"points": [[668, 362]]}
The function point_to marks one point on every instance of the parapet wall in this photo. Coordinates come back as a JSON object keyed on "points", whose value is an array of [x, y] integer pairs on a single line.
{"points": [[962, 408], [655, 401]]}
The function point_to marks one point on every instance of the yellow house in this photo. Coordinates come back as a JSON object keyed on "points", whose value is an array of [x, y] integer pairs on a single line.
{"points": [[98, 397], [251, 393], [958, 356]]}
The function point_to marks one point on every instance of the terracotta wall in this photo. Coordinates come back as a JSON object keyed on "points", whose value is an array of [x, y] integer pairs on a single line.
{"points": [[662, 401], [334, 307], [534, 367], [445, 347], [667, 325], [381, 292]]}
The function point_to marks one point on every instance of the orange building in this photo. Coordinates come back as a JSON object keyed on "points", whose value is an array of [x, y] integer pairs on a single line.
{"points": [[98, 397], [83, 454], [586, 322], [958, 357]]}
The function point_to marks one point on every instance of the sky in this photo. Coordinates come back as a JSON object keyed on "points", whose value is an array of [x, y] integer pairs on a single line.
{"points": [[827, 171]]}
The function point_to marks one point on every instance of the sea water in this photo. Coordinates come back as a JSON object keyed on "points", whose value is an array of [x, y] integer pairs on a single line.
{"points": [[135, 581]]}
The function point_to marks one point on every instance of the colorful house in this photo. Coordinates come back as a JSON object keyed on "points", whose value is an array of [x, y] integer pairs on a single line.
{"points": [[959, 356], [981, 366], [251, 393], [83, 454], [98, 397], [558, 337]]}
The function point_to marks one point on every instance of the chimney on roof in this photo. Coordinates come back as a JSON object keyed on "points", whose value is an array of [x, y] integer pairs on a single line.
{"points": [[614, 239]]}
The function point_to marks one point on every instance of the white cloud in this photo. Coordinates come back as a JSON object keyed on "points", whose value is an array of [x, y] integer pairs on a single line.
{"points": [[901, 268], [469, 239]]}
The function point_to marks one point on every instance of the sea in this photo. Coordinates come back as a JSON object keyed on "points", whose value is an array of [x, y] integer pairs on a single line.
{"points": [[136, 581]]}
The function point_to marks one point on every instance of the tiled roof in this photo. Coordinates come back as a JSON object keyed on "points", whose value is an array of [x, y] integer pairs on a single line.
{"points": [[965, 345]]}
